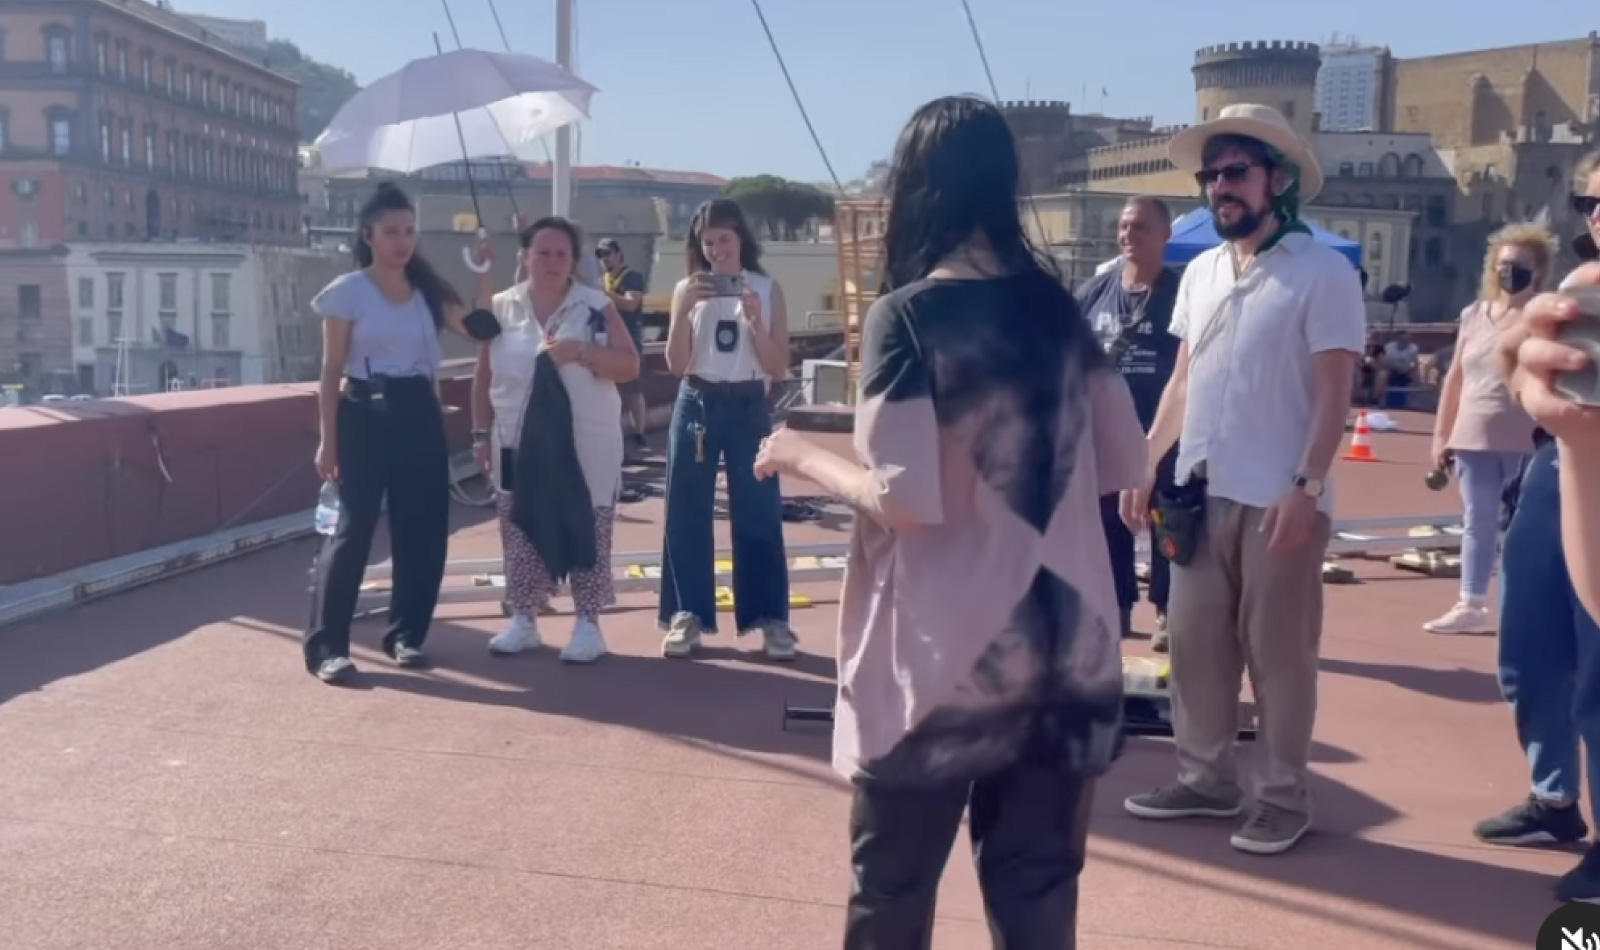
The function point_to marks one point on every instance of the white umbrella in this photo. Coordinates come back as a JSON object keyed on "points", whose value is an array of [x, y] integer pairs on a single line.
{"points": [[407, 121]]}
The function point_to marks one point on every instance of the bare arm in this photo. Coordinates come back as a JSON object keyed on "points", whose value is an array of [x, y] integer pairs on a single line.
{"points": [[617, 361], [1330, 407], [1168, 423], [772, 347], [1444, 422], [336, 335], [680, 333], [482, 376], [455, 312], [629, 301], [1580, 520]]}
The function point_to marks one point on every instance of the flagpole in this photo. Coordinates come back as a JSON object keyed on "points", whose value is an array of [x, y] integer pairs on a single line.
{"points": [[561, 172]]}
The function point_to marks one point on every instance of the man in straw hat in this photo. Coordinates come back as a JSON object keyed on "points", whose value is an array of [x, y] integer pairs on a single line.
{"points": [[1272, 324]]}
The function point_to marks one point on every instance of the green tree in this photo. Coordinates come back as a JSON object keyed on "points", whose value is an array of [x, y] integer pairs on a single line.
{"points": [[781, 208], [324, 89]]}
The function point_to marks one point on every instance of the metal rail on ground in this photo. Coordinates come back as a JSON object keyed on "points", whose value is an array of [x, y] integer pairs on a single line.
{"points": [[818, 563]]}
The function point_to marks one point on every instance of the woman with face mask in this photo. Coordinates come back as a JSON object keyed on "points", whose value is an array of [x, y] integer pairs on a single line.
{"points": [[383, 430], [588, 345], [728, 339], [1479, 427]]}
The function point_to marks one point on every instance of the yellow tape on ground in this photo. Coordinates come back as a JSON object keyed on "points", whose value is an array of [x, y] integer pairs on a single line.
{"points": [[725, 600]]}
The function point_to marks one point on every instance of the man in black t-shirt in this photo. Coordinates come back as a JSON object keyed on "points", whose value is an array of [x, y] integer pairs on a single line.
{"points": [[1130, 308], [626, 288]]}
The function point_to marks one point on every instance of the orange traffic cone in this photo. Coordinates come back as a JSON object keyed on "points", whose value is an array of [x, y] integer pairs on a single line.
{"points": [[1361, 442]]}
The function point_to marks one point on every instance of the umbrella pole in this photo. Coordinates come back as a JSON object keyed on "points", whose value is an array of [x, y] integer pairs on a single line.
{"points": [[472, 262]]}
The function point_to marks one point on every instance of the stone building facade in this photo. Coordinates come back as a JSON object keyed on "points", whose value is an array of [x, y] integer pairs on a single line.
{"points": [[122, 121], [1393, 194]]}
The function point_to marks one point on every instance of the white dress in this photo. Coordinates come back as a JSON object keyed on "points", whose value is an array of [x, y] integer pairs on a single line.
{"points": [[596, 405]]}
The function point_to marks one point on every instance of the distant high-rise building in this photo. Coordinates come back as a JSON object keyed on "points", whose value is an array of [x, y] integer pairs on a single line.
{"points": [[1349, 87]]}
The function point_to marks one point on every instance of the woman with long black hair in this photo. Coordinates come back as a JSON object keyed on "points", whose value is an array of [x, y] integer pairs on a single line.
{"points": [[729, 340], [979, 638], [382, 430]]}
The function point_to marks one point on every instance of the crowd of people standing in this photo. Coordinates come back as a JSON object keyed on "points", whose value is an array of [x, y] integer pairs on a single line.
{"points": [[1011, 437]]}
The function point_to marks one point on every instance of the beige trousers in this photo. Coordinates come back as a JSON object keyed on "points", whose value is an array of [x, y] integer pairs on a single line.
{"points": [[1236, 608]]}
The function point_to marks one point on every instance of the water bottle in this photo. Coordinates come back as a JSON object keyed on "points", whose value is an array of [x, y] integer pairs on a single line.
{"points": [[328, 509]]}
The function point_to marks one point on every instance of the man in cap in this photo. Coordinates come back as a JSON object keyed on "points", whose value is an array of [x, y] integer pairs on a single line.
{"points": [[626, 286], [1272, 325]]}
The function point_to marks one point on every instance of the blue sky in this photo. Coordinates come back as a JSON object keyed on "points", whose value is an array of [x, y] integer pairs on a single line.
{"points": [[692, 84]]}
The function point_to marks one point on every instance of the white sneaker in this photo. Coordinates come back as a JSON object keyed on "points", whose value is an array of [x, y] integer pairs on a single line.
{"points": [[523, 634], [779, 641], [682, 638], [1464, 617], [587, 644]]}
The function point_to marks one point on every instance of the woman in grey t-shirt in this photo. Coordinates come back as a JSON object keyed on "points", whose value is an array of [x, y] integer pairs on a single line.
{"points": [[383, 430]]}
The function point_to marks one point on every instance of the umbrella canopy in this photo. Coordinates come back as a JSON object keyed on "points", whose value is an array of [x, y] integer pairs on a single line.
{"points": [[406, 121], [1196, 232]]}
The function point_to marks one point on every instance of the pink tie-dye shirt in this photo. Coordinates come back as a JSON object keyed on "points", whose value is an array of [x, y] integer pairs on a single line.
{"points": [[979, 624]]}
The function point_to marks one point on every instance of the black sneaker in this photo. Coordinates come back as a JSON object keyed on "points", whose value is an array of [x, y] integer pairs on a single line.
{"points": [[1581, 885], [1533, 823], [1127, 624]]}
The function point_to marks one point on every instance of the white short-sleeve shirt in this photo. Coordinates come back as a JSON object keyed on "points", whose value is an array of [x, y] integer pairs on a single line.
{"points": [[1251, 384]]}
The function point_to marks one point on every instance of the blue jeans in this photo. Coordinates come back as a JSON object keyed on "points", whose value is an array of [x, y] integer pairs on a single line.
{"points": [[728, 421], [1484, 477], [1549, 646]]}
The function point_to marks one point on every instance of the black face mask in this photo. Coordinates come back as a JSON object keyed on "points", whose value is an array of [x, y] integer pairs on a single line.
{"points": [[1515, 278]]}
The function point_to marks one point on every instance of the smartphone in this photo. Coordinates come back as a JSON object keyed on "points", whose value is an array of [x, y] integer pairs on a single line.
{"points": [[1582, 386], [508, 469], [727, 285]]}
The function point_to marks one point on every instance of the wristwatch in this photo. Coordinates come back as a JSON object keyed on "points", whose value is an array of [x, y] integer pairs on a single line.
{"points": [[1313, 487], [480, 436]]}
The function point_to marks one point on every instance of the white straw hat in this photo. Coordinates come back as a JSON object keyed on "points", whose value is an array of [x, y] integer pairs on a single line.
{"points": [[1258, 122]]}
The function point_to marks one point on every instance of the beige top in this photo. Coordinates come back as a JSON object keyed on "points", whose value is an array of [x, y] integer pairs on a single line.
{"points": [[1487, 418], [978, 622]]}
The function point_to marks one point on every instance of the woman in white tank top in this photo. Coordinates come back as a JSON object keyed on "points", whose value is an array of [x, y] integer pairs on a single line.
{"points": [[729, 339], [593, 351]]}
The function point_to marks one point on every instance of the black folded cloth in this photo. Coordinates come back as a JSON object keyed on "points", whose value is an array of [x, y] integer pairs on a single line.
{"points": [[549, 498]]}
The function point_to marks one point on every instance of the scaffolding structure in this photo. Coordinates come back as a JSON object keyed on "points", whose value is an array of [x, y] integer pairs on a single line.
{"points": [[858, 225]]}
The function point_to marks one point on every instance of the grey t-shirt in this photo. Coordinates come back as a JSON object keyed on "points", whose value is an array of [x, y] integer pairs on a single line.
{"points": [[388, 339]]}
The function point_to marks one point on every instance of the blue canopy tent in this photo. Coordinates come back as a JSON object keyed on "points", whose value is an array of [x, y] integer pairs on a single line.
{"points": [[1195, 232]]}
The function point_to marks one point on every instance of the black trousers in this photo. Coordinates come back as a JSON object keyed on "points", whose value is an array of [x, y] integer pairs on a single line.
{"points": [[391, 448], [1119, 542], [1029, 829]]}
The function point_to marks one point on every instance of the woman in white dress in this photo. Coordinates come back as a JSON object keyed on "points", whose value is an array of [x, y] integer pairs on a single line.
{"points": [[588, 340]]}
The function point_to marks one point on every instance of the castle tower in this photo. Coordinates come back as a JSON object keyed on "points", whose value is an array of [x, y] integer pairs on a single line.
{"points": [[1043, 130], [1277, 73]]}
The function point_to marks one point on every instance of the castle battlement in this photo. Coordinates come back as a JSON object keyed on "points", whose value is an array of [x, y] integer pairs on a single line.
{"points": [[1036, 105], [1256, 48]]}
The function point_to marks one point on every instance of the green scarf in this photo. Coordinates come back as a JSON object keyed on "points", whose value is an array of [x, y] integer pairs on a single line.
{"points": [[1286, 206]]}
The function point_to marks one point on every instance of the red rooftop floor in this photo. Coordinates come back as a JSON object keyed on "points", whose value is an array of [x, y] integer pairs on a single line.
{"points": [[172, 779]]}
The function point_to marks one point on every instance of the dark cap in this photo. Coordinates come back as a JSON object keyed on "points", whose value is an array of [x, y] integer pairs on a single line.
{"points": [[608, 245]]}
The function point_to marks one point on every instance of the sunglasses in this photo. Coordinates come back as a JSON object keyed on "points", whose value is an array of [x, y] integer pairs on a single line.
{"points": [[1585, 205], [1232, 173]]}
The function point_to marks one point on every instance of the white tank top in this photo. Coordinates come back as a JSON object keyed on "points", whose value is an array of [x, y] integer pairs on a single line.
{"points": [[741, 365]]}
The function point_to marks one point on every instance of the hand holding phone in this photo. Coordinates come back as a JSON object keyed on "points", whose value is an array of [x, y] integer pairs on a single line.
{"points": [[1582, 333], [727, 285], [1549, 358]]}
